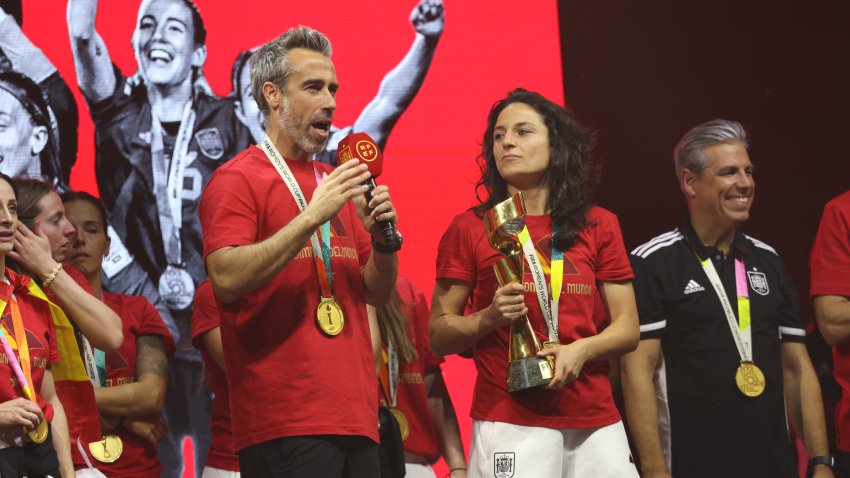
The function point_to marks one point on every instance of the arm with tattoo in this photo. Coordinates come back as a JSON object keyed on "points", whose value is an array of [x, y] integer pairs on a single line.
{"points": [[144, 396]]}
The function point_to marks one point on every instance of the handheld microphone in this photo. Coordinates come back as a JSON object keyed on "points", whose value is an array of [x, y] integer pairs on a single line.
{"points": [[365, 150]]}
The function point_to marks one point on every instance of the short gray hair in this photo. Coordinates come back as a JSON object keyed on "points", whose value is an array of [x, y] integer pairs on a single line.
{"points": [[269, 61], [689, 152]]}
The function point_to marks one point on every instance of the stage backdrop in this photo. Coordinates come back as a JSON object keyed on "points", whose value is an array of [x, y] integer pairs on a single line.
{"points": [[484, 51]]}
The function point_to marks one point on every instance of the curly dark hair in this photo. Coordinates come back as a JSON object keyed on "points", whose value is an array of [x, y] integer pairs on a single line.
{"points": [[571, 174]]}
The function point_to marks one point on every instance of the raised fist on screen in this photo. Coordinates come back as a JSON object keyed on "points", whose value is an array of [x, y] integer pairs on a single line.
{"points": [[428, 18]]}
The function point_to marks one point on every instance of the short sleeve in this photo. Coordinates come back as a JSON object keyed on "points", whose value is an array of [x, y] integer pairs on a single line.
{"points": [[791, 326], [830, 258], [204, 314], [228, 212], [612, 262], [650, 304], [456, 252], [151, 323]]}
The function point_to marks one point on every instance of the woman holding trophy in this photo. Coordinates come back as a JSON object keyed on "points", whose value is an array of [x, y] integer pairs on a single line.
{"points": [[517, 280]]}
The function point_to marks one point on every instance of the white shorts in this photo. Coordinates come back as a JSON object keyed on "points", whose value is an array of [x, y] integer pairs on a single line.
{"points": [[210, 472], [415, 470], [503, 450]]}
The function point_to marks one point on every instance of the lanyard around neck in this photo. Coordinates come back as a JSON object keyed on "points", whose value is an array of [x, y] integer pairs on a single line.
{"points": [[22, 368], [740, 326], [95, 360], [168, 181], [391, 391], [556, 277], [321, 250]]}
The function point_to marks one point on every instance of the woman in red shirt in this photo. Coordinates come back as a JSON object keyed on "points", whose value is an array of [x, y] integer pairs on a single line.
{"points": [[26, 381], [43, 242], [131, 381], [412, 385], [570, 427]]}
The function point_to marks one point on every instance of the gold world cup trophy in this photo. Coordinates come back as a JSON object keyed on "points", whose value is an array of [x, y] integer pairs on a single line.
{"points": [[503, 224]]}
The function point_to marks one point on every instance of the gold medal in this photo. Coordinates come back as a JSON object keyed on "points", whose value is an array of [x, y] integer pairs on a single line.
{"points": [[107, 450], [403, 424], [750, 379], [329, 316], [39, 433]]}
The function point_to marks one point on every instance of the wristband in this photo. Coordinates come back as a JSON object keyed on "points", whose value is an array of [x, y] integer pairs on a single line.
{"points": [[385, 249], [449, 474], [821, 460], [52, 276]]}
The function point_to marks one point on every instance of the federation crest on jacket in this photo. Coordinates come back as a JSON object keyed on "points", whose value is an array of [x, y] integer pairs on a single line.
{"points": [[504, 465], [758, 282]]}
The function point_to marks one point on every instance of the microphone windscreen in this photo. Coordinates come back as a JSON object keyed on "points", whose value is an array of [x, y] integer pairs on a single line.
{"points": [[364, 148]]}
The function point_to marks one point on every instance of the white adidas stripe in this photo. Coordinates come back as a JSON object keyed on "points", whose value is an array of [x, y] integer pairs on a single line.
{"points": [[791, 331], [661, 245], [654, 241], [761, 244], [653, 326]]}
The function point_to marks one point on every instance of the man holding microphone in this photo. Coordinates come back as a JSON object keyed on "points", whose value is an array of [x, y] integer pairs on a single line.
{"points": [[291, 264]]}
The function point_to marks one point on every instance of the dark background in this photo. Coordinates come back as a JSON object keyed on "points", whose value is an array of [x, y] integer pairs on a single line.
{"points": [[643, 73]]}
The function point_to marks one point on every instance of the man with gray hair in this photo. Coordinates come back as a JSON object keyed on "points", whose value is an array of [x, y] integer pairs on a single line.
{"points": [[722, 350], [294, 263]]}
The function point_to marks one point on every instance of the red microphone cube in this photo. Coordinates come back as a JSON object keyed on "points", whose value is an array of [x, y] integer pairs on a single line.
{"points": [[364, 148]]}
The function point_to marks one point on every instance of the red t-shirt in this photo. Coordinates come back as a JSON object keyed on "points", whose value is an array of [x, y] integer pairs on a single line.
{"points": [[205, 318], [285, 376], [598, 256], [139, 318], [410, 392], [830, 269], [41, 340], [78, 397]]}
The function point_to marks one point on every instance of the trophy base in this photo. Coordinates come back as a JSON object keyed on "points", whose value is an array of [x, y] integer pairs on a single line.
{"points": [[528, 373]]}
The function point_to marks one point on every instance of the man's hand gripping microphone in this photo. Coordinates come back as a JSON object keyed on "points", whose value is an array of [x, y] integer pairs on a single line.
{"points": [[365, 150]]}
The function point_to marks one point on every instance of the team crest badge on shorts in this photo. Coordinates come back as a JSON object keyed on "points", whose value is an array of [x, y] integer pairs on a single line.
{"points": [[758, 282], [210, 143], [504, 465]]}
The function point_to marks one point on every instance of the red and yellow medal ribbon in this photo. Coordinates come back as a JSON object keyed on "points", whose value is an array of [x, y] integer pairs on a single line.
{"points": [[23, 348], [18, 341]]}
